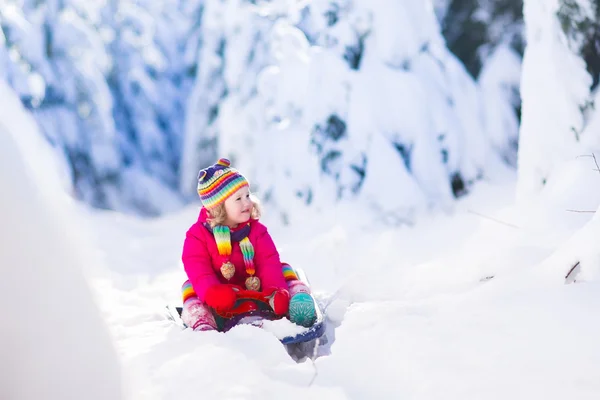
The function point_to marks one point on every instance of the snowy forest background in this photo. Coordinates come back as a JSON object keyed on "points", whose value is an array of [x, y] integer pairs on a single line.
{"points": [[320, 98]]}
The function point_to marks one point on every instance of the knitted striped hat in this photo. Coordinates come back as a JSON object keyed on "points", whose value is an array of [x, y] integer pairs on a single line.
{"points": [[218, 182]]}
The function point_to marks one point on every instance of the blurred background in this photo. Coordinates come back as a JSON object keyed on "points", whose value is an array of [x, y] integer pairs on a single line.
{"points": [[398, 106]]}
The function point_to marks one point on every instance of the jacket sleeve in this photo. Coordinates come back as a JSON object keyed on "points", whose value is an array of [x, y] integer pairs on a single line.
{"points": [[198, 265], [268, 264]]}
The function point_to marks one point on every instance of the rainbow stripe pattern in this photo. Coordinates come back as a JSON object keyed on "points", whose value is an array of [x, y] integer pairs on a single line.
{"points": [[188, 291], [219, 182], [248, 253], [288, 273], [222, 236]]}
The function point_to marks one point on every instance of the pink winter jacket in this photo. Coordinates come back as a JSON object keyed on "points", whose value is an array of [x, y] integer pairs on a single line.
{"points": [[202, 261]]}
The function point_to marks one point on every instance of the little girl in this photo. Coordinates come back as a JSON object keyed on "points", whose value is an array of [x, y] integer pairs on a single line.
{"points": [[230, 258]]}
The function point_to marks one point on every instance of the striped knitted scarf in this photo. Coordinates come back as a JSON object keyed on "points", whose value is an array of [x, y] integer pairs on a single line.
{"points": [[223, 237]]}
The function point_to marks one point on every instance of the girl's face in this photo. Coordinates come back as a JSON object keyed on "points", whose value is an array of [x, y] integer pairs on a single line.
{"points": [[238, 207]]}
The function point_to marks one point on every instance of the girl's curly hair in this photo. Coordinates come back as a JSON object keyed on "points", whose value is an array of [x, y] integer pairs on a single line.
{"points": [[217, 215]]}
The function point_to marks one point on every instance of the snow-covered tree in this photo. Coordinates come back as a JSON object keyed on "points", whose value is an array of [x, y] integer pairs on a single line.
{"points": [[560, 76], [355, 95], [150, 79], [107, 83], [138, 95], [473, 29], [59, 66], [232, 51], [489, 38]]}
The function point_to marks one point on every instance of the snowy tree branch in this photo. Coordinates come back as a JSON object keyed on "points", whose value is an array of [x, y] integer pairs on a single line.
{"points": [[596, 162], [494, 219]]}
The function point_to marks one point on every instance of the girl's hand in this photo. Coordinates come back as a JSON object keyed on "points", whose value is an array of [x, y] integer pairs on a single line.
{"points": [[221, 297], [279, 300]]}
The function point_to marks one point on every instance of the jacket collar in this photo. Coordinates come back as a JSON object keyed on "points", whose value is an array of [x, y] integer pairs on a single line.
{"points": [[237, 234]]}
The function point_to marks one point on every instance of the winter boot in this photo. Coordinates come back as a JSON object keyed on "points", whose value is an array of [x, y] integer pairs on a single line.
{"points": [[198, 316], [302, 309]]}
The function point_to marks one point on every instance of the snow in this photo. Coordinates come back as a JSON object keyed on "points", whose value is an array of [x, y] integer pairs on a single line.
{"points": [[283, 328], [553, 108], [500, 80], [55, 344]]}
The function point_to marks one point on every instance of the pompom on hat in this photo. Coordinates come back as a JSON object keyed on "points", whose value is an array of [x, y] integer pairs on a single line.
{"points": [[219, 182]]}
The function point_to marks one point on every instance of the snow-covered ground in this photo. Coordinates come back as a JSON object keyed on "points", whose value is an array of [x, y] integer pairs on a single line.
{"points": [[53, 342], [462, 306]]}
